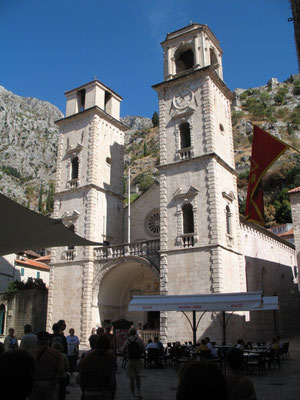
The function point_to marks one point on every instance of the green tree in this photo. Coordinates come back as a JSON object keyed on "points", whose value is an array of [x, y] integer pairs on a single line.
{"points": [[283, 208], [146, 153], [41, 199], [280, 95], [155, 119], [50, 198]]}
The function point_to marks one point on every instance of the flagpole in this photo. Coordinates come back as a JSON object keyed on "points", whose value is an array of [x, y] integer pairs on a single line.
{"points": [[128, 239]]}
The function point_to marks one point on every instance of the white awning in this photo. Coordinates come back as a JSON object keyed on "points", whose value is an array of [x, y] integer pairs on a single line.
{"points": [[246, 301], [23, 229]]}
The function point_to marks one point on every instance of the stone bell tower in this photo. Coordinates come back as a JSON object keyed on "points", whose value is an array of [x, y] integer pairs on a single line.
{"points": [[88, 197], [199, 217]]}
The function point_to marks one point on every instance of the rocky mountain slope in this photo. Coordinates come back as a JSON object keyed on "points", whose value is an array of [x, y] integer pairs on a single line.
{"points": [[28, 141], [29, 137]]}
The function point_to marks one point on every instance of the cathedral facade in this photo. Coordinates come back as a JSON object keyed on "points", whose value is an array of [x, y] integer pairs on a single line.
{"points": [[186, 234]]}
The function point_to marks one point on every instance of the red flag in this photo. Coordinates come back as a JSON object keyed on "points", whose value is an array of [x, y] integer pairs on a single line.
{"points": [[266, 149]]}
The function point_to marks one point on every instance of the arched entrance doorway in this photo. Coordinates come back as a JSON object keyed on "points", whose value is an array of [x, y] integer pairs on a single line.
{"points": [[116, 283]]}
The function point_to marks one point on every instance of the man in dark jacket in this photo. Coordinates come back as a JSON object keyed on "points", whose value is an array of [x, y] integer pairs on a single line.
{"points": [[134, 349]]}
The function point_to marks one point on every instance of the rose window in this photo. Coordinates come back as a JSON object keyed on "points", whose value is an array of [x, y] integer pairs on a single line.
{"points": [[154, 223]]}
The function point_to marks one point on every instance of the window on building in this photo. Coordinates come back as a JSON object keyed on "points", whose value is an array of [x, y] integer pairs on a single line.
{"points": [[228, 221], [213, 57], [185, 135], [75, 168], [22, 271], [72, 229], [81, 100], [184, 59], [188, 218], [38, 275], [107, 102]]}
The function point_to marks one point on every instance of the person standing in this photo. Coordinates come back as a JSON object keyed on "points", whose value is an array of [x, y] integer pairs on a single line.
{"points": [[73, 350], [10, 342], [97, 372], [49, 367], [133, 349], [29, 340], [58, 336]]}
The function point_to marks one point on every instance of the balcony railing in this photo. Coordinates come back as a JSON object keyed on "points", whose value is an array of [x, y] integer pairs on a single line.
{"points": [[144, 248], [185, 154], [69, 255], [188, 239], [72, 183]]}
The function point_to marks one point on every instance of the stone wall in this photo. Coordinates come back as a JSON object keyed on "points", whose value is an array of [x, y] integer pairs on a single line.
{"points": [[25, 307]]}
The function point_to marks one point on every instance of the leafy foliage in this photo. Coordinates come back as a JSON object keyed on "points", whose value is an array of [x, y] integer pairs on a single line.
{"points": [[144, 181], [155, 119], [31, 283]]}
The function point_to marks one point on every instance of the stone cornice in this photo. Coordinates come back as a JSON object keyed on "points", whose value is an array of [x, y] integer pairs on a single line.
{"points": [[201, 247], [87, 187], [192, 28], [265, 232], [91, 111], [200, 158], [209, 70]]}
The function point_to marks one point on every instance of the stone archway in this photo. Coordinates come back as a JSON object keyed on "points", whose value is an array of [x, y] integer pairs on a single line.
{"points": [[115, 284]]}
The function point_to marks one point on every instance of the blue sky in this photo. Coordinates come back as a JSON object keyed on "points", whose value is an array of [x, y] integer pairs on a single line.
{"points": [[50, 46]]}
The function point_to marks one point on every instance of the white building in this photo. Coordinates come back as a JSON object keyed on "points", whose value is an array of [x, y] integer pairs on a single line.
{"points": [[186, 233]]}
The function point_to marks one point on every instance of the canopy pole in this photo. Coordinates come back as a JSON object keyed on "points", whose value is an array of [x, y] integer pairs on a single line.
{"points": [[194, 328], [224, 326], [129, 216]]}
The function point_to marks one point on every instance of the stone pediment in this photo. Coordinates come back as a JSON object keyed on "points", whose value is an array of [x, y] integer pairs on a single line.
{"points": [[192, 191], [229, 196], [70, 215], [76, 149], [182, 113]]}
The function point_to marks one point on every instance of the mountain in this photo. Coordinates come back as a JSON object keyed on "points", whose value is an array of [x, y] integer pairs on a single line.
{"points": [[27, 146], [29, 139]]}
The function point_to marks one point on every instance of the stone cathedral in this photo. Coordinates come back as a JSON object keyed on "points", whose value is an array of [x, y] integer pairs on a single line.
{"points": [[187, 236]]}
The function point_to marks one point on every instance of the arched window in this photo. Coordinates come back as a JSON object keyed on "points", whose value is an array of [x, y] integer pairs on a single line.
{"points": [[185, 135], [72, 229], [213, 57], [188, 218], [228, 221], [184, 59], [75, 168]]}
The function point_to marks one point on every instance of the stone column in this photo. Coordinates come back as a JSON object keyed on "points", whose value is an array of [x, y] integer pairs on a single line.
{"points": [[197, 52], [169, 64]]}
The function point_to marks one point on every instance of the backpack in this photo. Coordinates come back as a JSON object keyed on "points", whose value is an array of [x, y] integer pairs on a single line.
{"points": [[134, 350]]}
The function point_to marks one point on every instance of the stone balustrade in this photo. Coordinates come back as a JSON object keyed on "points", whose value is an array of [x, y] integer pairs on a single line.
{"points": [[143, 248], [188, 239], [185, 154], [72, 184], [69, 255]]}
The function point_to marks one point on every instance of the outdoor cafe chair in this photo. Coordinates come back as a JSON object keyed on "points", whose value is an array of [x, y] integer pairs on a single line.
{"points": [[255, 361], [285, 351]]}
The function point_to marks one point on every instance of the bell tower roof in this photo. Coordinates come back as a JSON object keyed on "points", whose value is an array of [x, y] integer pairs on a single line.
{"points": [[92, 94], [191, 48]]}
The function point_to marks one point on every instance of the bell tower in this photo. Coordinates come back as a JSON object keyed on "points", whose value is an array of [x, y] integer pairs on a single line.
{"points": [[199, 217], [88, 196]]}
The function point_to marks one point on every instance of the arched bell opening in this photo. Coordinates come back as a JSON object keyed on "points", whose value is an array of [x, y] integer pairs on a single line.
{"points": [[184, 59]]}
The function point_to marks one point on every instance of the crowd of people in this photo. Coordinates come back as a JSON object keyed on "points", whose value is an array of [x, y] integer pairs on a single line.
{"points": [[40, 366]]}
